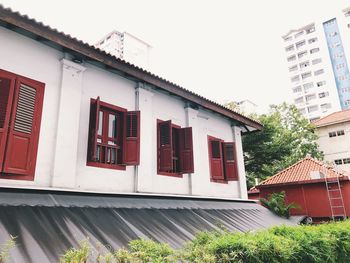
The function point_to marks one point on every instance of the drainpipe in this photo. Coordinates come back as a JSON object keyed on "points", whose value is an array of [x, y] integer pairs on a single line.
{"points": [[187, 108], [136, 167]]}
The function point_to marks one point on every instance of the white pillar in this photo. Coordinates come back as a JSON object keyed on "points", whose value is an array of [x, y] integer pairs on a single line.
{"points": [[191, 121], [240, 162], [148, 142], [64, 170]]}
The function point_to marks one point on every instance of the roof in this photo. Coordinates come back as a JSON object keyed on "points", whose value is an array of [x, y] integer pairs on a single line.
{"points": [[333, 118], [300, 172], [24, 25], [47, 223]]}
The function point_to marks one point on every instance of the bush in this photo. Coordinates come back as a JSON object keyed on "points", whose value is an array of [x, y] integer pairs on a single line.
{"points": [[329, 243], [5, 249]]}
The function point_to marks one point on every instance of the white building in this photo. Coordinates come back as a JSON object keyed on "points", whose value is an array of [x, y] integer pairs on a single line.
{"points": [[247, 107], [318, 66], [127, 47], [334, 138]]}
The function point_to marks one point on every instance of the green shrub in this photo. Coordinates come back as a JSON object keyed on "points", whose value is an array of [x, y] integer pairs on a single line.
{"points": [[276, 203], [5, 249]]}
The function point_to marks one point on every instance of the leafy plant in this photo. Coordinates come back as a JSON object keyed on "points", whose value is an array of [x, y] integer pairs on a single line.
{"points": [[77, 255], [5, 249], [277, 204]]}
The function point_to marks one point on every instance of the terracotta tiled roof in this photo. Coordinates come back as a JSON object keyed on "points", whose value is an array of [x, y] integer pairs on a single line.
{"points": [[300, 172], [333, 118], [254, 190]]}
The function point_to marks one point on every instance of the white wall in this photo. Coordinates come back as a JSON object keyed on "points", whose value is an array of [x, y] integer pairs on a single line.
{"points": [[62, 153], [335, 147]]}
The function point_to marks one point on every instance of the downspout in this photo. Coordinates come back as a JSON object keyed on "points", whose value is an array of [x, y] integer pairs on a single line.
{"points": [[187, 106], [136, 167]]}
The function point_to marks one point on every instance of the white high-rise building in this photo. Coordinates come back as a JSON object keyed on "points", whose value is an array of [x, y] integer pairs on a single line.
{"points": [[318, 67], [127, 47]]}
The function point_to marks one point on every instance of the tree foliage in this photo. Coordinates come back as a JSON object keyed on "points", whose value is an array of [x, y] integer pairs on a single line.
{"points": [[277, 204], [286, 138]]}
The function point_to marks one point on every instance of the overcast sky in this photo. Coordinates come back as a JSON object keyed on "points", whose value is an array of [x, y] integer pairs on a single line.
{"points": [[223, 50]]}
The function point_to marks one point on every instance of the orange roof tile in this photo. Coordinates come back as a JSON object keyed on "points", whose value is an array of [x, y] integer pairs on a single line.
{"points": [[333, 118], [300, 172]]}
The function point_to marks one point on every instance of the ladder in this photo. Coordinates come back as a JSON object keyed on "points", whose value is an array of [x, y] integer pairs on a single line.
{"points": [[335, 195]]}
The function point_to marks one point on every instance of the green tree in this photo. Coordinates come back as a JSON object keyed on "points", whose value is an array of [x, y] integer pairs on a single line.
{"points": [[277, 204], [286, 138]]}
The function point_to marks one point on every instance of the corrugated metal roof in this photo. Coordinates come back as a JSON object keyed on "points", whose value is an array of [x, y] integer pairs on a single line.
{"points": [[333, 118], [13, 20], [301, 172], [48, 223]]}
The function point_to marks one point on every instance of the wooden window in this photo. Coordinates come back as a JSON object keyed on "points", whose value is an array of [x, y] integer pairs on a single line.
{"points": [[114, 136], [21, 101], [174, 149], [222, 160]]}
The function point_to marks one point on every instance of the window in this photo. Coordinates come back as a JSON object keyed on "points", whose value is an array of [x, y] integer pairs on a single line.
{"points": [[335, 45], [291, 58], [295, 78], [310, 97], [316, 61], [312, 40], [340, 66], [299, 100], [321, 83], [222, 160], [332, 134], [325, 106], [299, 34], [308, 86], [302, 54], [289, 48], [338, 162], [21, 101], [287, 38], [323, 94], [312, 108], [346, 160], [304, 64], [297, 89], [300, 44], [347, 13], [174, 149], [114, 136], [306, 75], [318, 72], [340, 133], [310, 30], [293, 68], [314, 50]]}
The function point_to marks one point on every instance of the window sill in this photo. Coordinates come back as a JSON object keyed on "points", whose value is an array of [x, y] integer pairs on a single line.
{"points": [[17, 177], [107, 166], [218, 181], [177, 175]]}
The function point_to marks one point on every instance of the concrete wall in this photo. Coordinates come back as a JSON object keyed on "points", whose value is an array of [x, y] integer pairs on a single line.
{"points": [[335, 147], [62, 153]]}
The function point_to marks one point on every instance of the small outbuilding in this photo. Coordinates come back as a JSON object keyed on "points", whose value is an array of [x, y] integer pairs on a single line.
{"points": [[321, 191]]}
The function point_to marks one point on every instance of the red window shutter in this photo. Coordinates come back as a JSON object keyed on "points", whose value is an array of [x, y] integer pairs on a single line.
{"points": [[131, 151], [93, 129], [215, 159], [22, 145], [230, 166], [165, 146], [7, 85], [186, 150]]}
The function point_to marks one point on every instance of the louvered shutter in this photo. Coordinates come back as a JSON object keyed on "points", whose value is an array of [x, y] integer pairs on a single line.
{"points": [[165, 146], [93, 129], [186, 150], [22, 145], [230, 165], [7, 85], [131, 150], [215, 156]]}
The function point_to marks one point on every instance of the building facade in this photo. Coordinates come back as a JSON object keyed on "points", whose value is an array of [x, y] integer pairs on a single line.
{"points": [[127, 47], [317, 62], [334, 138]]}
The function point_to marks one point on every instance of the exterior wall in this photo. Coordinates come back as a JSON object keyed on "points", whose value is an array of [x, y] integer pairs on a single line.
{"points": [[312, 198], [62, 154], [335, 148]]}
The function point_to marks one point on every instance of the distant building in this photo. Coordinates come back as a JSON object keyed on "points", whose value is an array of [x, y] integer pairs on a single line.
{"points": [[334, 138], [127, 47], [247, 106], [318, 66]]}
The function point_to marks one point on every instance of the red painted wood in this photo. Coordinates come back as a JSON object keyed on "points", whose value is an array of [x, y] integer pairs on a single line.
{"points": [[230, 164], [186, 150], [21, 149], [93, 128], [131, 151], [165, 146], [215, 159], [7, 86]]}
